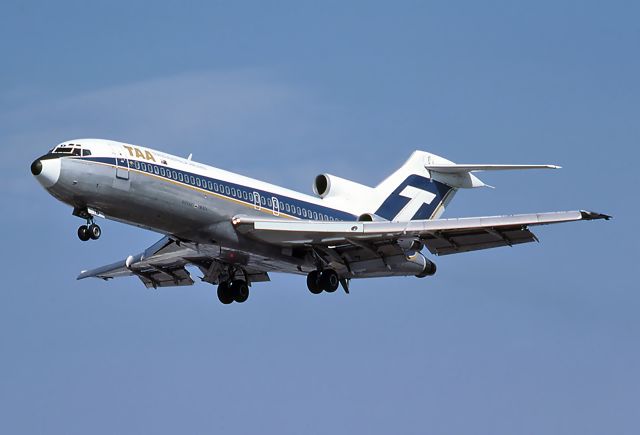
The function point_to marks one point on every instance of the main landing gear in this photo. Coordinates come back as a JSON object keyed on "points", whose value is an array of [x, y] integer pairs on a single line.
{"points": [[326, 280], [91, 231], [236, 290]]}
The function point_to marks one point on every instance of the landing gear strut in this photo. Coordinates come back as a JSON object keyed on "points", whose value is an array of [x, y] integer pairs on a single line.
{"points": [[326, 280], [230, 291]]}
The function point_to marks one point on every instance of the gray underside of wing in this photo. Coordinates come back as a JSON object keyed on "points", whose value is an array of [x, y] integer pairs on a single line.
{"points": [[454, 242], [164, 265]]}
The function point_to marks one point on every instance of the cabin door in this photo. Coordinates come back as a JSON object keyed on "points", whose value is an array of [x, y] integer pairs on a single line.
{"points": [[122, 167]]}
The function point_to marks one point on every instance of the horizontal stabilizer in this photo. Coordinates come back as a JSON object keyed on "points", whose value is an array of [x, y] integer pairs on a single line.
{"points": [[458, 169], [461, 175]]}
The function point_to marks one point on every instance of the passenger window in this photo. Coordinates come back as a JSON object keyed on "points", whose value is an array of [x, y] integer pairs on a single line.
{"points": [[233, 191], [210, 185], [244, 194], [287, 207], [175, 175], [227, 190], [269, 202], [193, 180], [143, 166], [180, 177], [304, 212], [162, 171], [198, 182], [137, 165], [155, 170], [215, 186], [263, 200], [315, 215]]}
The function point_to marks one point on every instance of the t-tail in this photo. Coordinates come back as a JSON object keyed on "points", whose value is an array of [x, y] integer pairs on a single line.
{"points": [[420, 189]]}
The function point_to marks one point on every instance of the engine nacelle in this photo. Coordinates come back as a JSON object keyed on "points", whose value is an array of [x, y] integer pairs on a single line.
{"points": [[427, 267], [330, 186]]}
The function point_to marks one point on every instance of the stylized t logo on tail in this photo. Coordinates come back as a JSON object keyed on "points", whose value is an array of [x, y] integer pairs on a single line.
{"points": [[418, 197]]}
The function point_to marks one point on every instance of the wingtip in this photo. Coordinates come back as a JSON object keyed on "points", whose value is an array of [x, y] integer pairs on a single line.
{"points": [[592, 215], [83, 275]]}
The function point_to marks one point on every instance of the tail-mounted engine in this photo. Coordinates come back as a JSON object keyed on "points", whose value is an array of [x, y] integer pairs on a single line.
{"points": [[330, 186]]}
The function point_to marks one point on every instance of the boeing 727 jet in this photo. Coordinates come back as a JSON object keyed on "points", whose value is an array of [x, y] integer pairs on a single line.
{"points": [[237, 230]]}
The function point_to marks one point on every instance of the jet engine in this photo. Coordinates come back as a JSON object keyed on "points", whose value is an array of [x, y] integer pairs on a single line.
{"points": [[330, 186]]}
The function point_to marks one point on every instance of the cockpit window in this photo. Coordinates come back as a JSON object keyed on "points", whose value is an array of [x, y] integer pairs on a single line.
{"points": [[70, 149]]}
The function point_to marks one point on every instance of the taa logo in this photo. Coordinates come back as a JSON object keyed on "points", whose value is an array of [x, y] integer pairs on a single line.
{"points": [[417, 198], [135, 152]]}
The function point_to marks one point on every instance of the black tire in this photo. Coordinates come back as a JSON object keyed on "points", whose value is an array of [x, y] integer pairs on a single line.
{"points": [[313, 283], [329, 280], [94, 231], [224, 294], [239, 290], [83, 233]]}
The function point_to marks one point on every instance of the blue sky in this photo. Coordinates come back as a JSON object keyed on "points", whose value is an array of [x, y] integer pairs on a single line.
{"points": [[541, 338]]}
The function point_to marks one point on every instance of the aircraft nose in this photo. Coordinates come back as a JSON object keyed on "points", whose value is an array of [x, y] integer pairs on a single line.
{"points": [[36, 167], [46, 171]]}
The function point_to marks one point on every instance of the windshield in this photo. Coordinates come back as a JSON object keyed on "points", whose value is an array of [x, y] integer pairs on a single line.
{"points": [[71, 149]]}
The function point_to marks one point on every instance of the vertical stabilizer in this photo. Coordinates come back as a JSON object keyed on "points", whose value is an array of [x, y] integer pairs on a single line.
{"points": [[412, 193]]}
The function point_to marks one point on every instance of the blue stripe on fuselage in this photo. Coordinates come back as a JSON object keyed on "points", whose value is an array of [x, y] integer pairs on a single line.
{"points": [[222, 187]]}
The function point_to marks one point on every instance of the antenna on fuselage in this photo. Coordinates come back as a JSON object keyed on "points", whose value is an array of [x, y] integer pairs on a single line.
{"points": [[190, 155]]}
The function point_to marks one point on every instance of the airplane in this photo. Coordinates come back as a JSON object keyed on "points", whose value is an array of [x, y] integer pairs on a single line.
{"points": [[237, 230]]}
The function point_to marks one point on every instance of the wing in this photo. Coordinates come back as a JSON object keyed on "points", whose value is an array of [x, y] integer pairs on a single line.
{"points": [[164, 265], [440, 236]]}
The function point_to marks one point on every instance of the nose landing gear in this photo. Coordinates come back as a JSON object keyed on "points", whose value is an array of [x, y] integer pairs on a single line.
{"points": [[90, 231]]}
